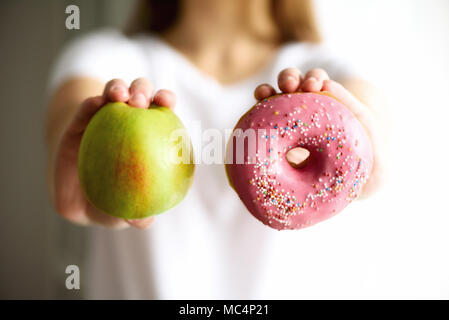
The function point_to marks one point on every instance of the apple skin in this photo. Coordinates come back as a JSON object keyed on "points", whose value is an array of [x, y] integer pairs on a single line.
{"points": [[124, 161]]}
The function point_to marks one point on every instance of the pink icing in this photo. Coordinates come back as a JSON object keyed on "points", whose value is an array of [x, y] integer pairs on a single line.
{"points": [[284, 197]]}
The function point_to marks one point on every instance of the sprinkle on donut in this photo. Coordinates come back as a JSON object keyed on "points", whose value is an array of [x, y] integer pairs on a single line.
{"points": [[285, 197]]}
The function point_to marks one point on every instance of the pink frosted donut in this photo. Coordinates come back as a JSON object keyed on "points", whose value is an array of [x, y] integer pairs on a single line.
{"points": [[280, 195]]}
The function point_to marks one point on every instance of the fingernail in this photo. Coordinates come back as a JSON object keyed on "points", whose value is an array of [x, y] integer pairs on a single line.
{"points": [[117, 88], [139, 99], [292, 78]]}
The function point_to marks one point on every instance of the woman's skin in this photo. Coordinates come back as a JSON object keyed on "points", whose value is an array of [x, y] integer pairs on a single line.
{"points": [[227, 31]]}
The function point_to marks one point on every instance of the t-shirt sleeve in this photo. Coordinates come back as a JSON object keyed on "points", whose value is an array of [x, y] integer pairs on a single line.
{"points": [[104, 55], [309, 56]]}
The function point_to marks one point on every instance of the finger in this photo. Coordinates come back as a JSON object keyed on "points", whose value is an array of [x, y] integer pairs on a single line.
{"points": [[360, 111], [141, 223], [97, 217], [365, 116], [346, 97], [165, 98], [264, 91], [140, 92], [313, 81], [87, 110], [298, 157], [116, 90], [289, 80]]}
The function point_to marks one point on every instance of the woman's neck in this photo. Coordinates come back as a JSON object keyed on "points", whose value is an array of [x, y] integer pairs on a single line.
{"points": [[227, 39]]}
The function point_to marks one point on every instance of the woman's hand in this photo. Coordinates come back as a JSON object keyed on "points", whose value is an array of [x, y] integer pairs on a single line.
{"points": [[291, 80], [69, 199]]}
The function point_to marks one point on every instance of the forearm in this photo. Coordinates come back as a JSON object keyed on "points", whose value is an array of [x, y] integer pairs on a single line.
{"points": [[62, 107]]}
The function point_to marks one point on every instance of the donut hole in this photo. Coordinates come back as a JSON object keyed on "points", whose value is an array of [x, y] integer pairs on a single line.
{"points": [[298, 157]]}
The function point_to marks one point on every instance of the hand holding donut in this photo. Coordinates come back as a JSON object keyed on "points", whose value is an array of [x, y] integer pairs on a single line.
{"points": [[313, 154], [317, 80]]}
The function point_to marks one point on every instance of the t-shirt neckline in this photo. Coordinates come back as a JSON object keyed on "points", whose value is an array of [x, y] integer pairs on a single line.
{"points": [[207, 80]]}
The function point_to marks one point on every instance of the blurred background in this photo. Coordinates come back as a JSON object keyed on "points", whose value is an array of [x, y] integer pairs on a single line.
{"points": [[401, 46]]}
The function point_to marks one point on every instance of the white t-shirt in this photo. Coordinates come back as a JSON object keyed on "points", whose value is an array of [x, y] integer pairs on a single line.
{"points": [[209, 246]]}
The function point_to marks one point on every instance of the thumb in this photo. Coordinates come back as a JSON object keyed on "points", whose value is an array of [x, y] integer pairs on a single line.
{"points": [[142, 224], [83, 115]]}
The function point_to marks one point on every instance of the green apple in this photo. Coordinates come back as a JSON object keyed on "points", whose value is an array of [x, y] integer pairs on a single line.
{"points": [[129, 161]]}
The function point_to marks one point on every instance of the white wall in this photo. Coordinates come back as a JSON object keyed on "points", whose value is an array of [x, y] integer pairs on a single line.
{"points": [[403, 46]]}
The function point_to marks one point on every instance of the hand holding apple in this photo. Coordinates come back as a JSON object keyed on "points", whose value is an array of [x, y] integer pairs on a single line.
{"points": [[127, 161], [69, 198]]}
